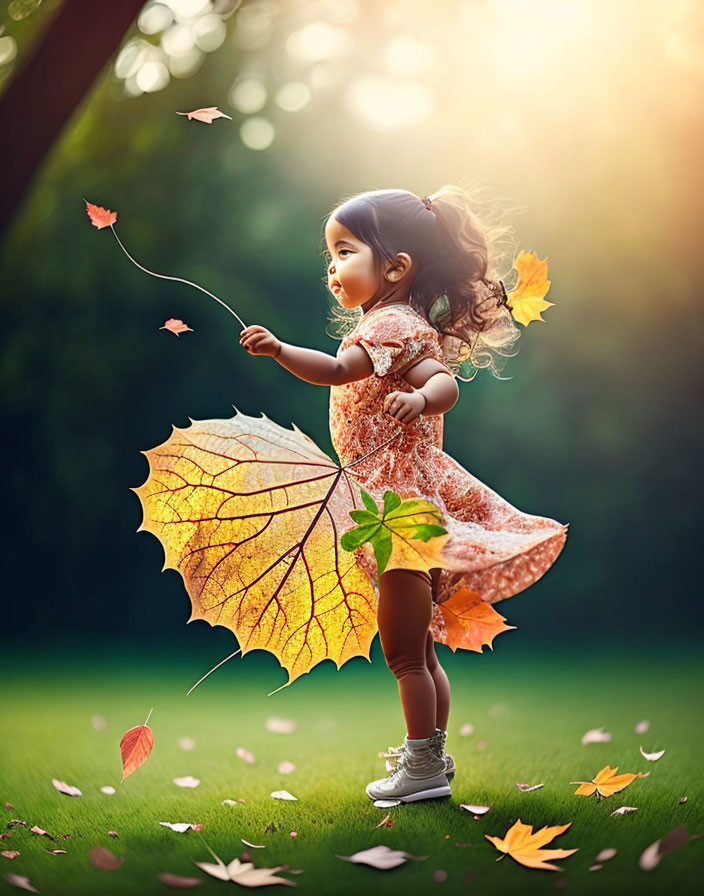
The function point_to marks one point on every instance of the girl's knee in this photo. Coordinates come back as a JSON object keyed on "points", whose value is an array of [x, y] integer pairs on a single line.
{"points": [[405, 665]]}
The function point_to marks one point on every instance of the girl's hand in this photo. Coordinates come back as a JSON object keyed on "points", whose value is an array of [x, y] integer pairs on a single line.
{"points": [[260, 341], [404, 406]]}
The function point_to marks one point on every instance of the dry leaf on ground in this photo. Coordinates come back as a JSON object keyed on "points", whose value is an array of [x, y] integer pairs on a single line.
{"points": [[526, 788], [651, 757], [381, 857], [104, 859], [285, 768], [283, 795], [524, 845], [623, 809], [178, 882], [475, 810], [63, 787], [244, 873], [642, 727], [467, 729], [187, 781], [181, 826], [608, 853], [10, 853], [280, 726], [20, 880], [108, 789], [244, 755], [596, 736], [606, 783], [187, 743]]}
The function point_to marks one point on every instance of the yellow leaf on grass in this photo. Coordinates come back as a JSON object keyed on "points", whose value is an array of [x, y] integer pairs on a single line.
{"points": [[470, 622], [526, 299], [523, 845], [606, 783]]}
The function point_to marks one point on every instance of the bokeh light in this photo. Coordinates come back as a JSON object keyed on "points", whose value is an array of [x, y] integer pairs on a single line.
{"points": [[257, 133]]}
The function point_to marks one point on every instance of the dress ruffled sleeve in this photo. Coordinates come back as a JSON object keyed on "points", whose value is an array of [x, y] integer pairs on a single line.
{"points": [[395, 341]]}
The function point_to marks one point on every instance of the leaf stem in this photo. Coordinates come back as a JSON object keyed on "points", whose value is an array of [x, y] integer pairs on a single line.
{"points": [[149, 716], [213, 669]]}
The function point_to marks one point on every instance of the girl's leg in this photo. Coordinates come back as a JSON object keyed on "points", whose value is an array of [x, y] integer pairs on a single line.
{"points": [[404, 614], [442, 685]]}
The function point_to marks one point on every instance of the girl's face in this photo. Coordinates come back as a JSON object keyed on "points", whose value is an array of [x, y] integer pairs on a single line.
{"points": [[353, 273]]}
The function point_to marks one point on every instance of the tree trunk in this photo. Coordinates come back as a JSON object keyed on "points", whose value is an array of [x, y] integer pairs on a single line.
{"points": [[53, 81]]}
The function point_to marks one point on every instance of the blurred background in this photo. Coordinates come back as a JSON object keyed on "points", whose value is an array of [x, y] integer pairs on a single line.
{"points": [[583, 117]]}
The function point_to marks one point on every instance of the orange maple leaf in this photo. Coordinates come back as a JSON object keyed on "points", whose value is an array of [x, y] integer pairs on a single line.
{"points": [[526, 299], [135, 748], [206, 115], [176, 326], [99, 216], [470, 622], [524, 846], [606, 783]]}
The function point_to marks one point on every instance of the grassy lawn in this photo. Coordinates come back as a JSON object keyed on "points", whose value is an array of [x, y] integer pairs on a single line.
{"points": [[530, 712]]}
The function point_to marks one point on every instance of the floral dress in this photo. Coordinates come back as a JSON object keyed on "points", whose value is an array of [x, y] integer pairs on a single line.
{"points": [[494, 548]]}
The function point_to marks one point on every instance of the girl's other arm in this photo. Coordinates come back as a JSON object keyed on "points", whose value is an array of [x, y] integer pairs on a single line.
{"points": [[307, 363], [437, 385]]}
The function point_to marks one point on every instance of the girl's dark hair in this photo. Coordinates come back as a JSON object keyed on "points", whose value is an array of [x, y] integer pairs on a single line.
{"points": [[456, 253]]}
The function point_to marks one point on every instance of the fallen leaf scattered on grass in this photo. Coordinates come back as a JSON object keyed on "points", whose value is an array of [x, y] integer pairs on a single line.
{"points": [[187, 781], [596, 736], [385, 822], [642, 727], [606, 783], [255, 845], [9, 853], [524, 845], [481, 745], [475, 810], [57, 852], [102, 858], [113, 834], [135, 747], [623, 809], [181, 826], [293, 833], [187, 743], [9, 806], [205, 115], [386, 804], [280, 726], [19, 880], [381, 857], [596, 867], [244, 755], [285, 768], [244, 873], [526, 788], [463, 844], [651, 757], [440, 876], [467, 729], [608, 853], [37, 830], [99, 722], [108, 789], [178, 882], [683, 799], [174, 325], [283, 795], [15, 821], [63, 787]]}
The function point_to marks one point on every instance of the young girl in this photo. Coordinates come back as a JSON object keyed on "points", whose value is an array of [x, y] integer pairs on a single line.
{"points": [[397, 258]]}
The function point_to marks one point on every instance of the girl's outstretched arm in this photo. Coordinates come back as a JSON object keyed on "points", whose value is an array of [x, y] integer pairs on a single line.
{"points": [[307, 363]]}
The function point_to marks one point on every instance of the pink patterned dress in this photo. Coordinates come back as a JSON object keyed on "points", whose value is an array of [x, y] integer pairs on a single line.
{"points": [[494, 548]]}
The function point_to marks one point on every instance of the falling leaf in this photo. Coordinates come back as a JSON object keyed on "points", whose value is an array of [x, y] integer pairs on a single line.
{"points": [[526, 299], [642, 727], [176, 326], [102, 858], [187, 781], [285, 768], [19, 880], [605, 854], [255, 845], [100, 217], [205, 115], [623, 809], [283, 795], [181, 826], [57, 852], [271, 552], [99, 723], [108, 789], [386, 804], [10, 853], [187, 743], [135, 747], [42, 833], [385, 822], [470, 622], [475, 810], [522, 844], [244, 874], [405, 534], [596, 736], [280, 726], [526, 788], [595, 868], [606, 783], [651, 756], [178, 882], [381, 857], [467, 729], [244, 755], [62, 787]]}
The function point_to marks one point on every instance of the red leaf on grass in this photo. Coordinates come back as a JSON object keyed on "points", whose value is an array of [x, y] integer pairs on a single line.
{"points": [[102, 858], [135, 747]]}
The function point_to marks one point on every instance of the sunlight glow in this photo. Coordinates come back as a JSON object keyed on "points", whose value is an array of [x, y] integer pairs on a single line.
{"points": [[388, 105], [257, 133]]}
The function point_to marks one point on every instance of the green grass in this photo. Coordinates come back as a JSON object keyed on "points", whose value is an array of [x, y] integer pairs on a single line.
{"points": [[530, 710]]}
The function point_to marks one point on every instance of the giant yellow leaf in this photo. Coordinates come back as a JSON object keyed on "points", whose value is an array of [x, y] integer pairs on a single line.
{"points": [[525, 846], [526, 299]]}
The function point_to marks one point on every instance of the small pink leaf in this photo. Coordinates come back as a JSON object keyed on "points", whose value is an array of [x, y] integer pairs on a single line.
{"points": [[206, 115], [176, 326]]}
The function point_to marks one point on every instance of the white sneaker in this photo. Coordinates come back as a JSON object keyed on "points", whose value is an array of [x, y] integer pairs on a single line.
{"points": [[419, 774], [440, 737]]}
